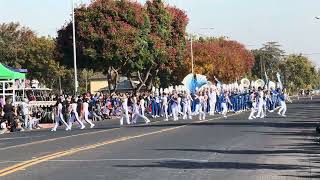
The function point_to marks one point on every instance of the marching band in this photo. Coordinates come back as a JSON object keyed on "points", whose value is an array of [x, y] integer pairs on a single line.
{"points": [[180, 102]]}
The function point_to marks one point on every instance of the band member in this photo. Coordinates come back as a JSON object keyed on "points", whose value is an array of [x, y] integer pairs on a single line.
{"points": [[75, 115], [260, 103], [197, 103], [212, 100], [174, 106], [283, 106], [165, 106], [59, 116], [253, 104], [85, 110], [186, 101], [224, 99], [25, 113], [202, 105], [125, 110], [142, 105], [136, 113]]}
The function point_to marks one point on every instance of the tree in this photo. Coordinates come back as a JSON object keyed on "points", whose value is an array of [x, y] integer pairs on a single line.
{"points": [[299, 73], [267, 60], [166, 43], [124, 37], [21, 48], [84, 77], [13, 42], [109, 37], [224, 59], [40, 61], [177, 49]]}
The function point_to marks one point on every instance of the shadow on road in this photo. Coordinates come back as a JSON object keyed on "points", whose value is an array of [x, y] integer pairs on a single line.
{"points": [[297, 125], [307, 176], [248, 152], [216, 165]]}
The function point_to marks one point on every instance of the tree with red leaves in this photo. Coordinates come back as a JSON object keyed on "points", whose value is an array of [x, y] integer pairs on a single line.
{"points": [[110, 38], [227, 60], [124, 37]]}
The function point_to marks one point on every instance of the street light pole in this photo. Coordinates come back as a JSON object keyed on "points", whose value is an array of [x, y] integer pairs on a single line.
{"points": [[74, 51], [191, 47]]}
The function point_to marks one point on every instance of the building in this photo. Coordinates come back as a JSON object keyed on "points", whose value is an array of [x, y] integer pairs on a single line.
{"points": [[99, 83]]}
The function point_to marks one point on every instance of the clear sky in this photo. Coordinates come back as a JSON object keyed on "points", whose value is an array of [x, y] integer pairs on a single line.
{"points": [[252, 22]]}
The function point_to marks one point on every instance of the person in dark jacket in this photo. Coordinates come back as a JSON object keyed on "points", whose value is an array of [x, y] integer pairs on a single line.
{"points": [[9, 113]]}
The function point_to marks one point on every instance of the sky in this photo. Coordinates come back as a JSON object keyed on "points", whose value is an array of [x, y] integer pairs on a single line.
{"points": [[292, 23]]}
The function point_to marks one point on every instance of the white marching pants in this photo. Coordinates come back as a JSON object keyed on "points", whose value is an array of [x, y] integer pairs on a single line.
{"points": [[224, 109], [179, 108], [175, 112], [137, 115], [165, 110], [197, 109], [26, 121], [202, 113], [86, 118], [187, 111], [283, 108], [143, 109], [212, 107], [260, 110], [253, 110], [75, 116], [125, 114], [58, 119]]}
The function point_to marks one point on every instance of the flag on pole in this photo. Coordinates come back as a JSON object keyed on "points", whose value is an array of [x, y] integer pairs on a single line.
{"points": [[267, 79], [279, 80]]}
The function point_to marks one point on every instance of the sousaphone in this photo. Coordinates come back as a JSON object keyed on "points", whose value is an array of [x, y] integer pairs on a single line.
{"points": [[245, 83], [259, 83], [272, 85]]}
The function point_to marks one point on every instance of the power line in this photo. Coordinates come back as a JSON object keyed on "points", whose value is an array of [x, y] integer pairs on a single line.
{"points": [[308, 54]]}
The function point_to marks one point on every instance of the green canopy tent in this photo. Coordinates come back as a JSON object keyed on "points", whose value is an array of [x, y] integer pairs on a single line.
{"points": [[7, 74], [7, 80]]}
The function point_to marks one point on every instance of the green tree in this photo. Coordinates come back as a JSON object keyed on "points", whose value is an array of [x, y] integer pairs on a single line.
{"points": [[267, 60], [84, 76], [40, 61], [168, 41], [13, 42], [124, 37], [21, 48], [299, 73], [110, 38]]}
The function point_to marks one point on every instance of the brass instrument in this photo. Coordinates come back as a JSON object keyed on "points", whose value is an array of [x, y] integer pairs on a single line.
{"points": [[259, 83], [245, 83]]}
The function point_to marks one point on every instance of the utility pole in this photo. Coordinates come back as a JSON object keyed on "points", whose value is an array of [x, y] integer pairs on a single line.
{"points": [[86, 81], [261, 67], [74, 51], [191, 47], [60, 88]]}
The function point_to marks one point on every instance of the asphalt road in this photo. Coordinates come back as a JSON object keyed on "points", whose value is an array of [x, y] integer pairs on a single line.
{"points": [[228, 149]]}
